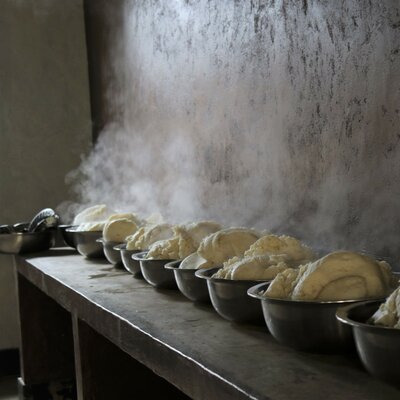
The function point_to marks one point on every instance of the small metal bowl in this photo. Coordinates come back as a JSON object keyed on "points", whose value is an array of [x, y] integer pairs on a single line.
{"points": [[378, 347], [68, 237], [86, 243], [190, 286], [229, 297], [153, 271], [26, 242], [131, 265], [113, 256], [305, 325]]}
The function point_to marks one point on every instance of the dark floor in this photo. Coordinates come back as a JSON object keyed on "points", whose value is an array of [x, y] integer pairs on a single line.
{"points": [[8, 388]]}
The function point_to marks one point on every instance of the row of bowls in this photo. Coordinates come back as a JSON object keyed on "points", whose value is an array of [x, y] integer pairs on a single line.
{"points": [[324, 326]]}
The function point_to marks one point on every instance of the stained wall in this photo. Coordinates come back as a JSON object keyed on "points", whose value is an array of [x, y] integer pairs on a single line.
{"points": [[279, 114]]}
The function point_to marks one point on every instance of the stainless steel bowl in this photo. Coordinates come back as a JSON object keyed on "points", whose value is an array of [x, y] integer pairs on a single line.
{"points": [[153, 272], [193, 288], [305, 325], [86, 243], [131, 265], [26, 242], [229, 297], [68, 237], [113, 256], [378, 347]]}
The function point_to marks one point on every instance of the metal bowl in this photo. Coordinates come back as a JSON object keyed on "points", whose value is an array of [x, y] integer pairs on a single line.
{"points": [[131, 265], [153, 272], [113, 256], [229, 297], [305, 325], [378, 347], [190, 286], [26, 242], [68, 237], [86, 243]]}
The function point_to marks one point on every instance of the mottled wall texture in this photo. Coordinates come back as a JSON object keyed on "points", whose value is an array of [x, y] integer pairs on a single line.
{"points": [[279, 114], [44, 118]]}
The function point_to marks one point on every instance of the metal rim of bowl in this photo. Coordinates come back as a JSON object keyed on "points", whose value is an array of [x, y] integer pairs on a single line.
{"points": [[113, 244], [66, 226], [139, 256], [120, 246], [254, 291], [83, 232], [342, 315], [203, 273], [142, 254], [174, 265]]}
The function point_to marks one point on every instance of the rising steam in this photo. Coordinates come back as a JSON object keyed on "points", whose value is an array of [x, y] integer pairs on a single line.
{"points": [[267, 126]]}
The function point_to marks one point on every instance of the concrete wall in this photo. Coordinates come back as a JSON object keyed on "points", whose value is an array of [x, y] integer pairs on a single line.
{"points": [[282, 114], [44, 118]]}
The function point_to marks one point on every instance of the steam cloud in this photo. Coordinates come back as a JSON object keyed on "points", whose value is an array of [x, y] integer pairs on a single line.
{"points": [[251, 127]]}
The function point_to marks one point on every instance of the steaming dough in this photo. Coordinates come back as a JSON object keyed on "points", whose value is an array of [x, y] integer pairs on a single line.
{"points": [[92, 218], [252, 268], [185, 241], [341, 275], [129, 216], [199, 230], [294, 252], [227, 243], [265, 258], [220, 246], [388, 313], [155, 219], [117, 229], [146, 235], [99, 212]]}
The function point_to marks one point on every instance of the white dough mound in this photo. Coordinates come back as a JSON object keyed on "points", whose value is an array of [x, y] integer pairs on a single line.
{"points": [[341, 275]]}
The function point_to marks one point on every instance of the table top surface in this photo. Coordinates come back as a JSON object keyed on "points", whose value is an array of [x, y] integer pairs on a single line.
{"points": [[236, 360]]}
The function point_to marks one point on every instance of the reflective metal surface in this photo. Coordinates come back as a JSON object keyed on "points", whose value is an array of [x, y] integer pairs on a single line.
{"points": [[66, 235], [153, 272], [305, 325], [131, 265], [229, 297], [113, 256], [86, 243], [378, 347], [193, 288], [26, 242]]}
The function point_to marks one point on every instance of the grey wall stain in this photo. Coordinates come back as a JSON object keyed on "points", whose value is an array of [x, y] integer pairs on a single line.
{"points": [[290, 109]]}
